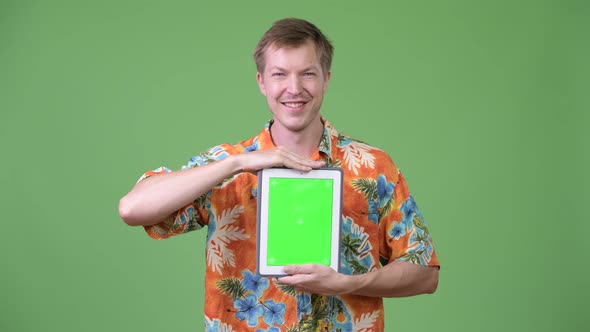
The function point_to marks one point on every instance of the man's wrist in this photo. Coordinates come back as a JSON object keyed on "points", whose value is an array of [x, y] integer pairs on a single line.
{"points": [[350, 284], [354, 283], [234, 164]]}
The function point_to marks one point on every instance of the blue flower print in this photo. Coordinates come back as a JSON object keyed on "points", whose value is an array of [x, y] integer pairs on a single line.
{"points": [[213, 154], [384, 190], [252, 147], [212, 226], [373, 211], [274, 312], [397, 231], [194, 161], [303, 305], [249, 309], [343, 140], [409, 209], [270, 329], [254, 282]]}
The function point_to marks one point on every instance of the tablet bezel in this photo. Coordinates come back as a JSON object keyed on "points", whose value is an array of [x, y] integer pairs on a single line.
{"points": [[264, 177]]}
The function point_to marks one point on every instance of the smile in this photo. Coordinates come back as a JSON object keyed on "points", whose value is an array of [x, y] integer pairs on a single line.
{"points": [[294, 105]]}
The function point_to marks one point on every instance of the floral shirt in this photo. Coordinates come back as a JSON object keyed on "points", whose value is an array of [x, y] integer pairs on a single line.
{"points": [[380, 224]]}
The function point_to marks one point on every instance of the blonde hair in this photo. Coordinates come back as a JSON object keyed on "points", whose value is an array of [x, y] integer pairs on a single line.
{"points": [[294, 32]]}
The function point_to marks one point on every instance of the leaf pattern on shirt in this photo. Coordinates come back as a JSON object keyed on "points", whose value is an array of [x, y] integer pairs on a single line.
{"points": [[365, 322], [355, 251], [357, 154], [215, 325], [232, 287], [218, 253], [287, 289]]}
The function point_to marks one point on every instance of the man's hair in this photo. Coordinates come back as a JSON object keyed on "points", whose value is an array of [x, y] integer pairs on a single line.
{"points": [[294, 32]]}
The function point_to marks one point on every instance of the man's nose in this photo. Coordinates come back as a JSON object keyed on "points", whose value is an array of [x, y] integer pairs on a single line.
{"points": [[294, 86]]}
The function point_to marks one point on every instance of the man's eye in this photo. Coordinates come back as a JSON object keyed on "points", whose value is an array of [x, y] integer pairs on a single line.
{"points": [[277, 74], [309, 73]]}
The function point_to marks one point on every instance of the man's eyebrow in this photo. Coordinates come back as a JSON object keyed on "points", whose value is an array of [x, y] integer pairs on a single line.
{"points": [[312, 67], [277, 68]]}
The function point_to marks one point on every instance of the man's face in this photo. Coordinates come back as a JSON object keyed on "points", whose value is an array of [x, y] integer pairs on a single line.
{"points": [[294, 85]]}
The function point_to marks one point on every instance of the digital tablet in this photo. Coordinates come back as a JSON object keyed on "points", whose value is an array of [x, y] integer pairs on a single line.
{"points": [[298, 218]]}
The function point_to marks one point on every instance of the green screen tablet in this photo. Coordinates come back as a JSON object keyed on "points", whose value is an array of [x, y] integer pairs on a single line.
{"points": [[298, 218]]}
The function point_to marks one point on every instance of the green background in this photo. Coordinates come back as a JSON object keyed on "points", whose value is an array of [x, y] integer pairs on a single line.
{"points": [[299, 221], [482, 104]]}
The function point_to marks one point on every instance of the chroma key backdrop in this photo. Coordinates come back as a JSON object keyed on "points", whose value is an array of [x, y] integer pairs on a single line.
{"points": [[483, 105]]}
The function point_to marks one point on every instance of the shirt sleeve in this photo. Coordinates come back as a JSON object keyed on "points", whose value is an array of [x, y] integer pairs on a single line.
{"points": [[196, 214], [404, 233], [191, 217]]}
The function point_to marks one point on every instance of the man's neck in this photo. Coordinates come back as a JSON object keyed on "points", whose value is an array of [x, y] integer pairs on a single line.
{"points": [[303, 143]]}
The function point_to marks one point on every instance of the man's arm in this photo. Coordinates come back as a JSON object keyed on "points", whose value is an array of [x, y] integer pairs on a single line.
{"points": [[396, 279], [159, 196]]}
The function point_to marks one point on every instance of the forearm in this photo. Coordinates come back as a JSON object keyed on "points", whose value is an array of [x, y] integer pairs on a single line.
{"points": [[396, 279], [157, 197]]}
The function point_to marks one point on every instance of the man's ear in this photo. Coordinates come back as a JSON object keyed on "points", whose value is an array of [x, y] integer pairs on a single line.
{"points": [[327, 80], [260, 83]]}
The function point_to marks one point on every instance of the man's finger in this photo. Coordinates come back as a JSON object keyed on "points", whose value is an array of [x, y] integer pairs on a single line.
{"points": [[299, 269], [293, 160], [294, 280]]}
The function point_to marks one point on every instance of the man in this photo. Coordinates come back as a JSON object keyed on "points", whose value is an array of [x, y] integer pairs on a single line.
{"points": [[386, 248]]}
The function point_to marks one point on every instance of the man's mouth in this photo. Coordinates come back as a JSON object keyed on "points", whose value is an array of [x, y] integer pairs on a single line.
{"points": [[293, 104]]}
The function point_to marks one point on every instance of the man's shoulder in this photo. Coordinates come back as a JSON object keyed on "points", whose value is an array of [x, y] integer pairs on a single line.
{"points": [[360, 157], [222, 151], [346, 143]]}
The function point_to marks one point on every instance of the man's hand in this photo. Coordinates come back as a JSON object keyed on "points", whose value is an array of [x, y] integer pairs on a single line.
{"points": [[396, 279], [314, 278], [277, 157]]}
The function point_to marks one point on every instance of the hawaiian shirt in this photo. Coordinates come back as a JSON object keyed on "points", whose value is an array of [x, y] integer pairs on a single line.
{"points": [[380, 223]]}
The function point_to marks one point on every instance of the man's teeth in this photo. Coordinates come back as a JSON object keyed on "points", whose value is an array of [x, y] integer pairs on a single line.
{"points": [[294, 105]]}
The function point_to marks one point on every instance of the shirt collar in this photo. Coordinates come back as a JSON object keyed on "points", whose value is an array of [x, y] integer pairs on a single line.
{"points": [[325, 147]]}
